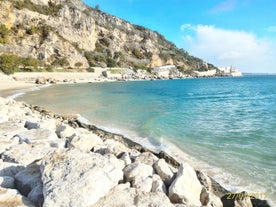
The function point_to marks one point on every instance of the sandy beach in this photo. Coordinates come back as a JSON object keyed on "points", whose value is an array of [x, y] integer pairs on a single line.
{"points": [[9, 84]]}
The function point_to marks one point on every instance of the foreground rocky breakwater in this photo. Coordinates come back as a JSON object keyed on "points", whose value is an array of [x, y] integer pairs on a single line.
{"points": [[60, 161]]}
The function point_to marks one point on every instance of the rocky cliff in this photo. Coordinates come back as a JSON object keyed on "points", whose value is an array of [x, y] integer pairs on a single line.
{"points": [[67, 33]]}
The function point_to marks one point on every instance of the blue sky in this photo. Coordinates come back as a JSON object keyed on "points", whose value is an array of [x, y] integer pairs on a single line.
{"points": [[241, 33]]}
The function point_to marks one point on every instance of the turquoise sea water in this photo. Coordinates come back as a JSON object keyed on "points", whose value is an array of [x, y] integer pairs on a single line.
{"points": [[229, 124]]}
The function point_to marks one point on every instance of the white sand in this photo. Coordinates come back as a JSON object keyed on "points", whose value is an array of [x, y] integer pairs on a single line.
{"points": [[19, 81]]}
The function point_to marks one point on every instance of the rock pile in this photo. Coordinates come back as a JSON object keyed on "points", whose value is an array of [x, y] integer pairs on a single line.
{"points": [[55, 161]]}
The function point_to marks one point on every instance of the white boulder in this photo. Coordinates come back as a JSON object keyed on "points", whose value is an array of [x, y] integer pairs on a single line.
{"points": [[74, 178], [164, 171], [186, 188]]}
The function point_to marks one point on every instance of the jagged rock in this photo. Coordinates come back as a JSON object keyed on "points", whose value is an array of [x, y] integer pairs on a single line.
{"points": [[136, 171], [85, 141], [101, 149], [71, 176], [211, 185], [38, 136], [152, 199], [213, 201], [3, 118], [41, 81], [27, 179], [116, 147], [6, 182], [142, 184], [164, 171], [125, 157], [134, 153], [31, 125], [11, 198], [158, 185], [147, 158], [25, 153], [114, 160], [65, 131], [186, 188], [126, 196]]}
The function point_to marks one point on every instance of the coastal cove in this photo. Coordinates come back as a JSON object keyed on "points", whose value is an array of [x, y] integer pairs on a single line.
{"points": [[225, 125]]}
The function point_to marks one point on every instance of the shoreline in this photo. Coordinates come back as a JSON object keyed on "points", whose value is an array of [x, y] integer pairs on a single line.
{"points": [[103, 133]]}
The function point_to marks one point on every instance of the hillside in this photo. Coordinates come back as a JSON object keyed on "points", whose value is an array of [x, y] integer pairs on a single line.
{"points": [[70, 34]]}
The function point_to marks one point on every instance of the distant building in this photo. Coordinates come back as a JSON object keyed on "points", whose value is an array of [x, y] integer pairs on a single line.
{"points": [[208, 73], [164, 71], [229, 71], [163, 68]]}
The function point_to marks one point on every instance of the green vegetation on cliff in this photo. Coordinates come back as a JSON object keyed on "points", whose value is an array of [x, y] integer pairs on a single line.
{"points": [[57, 31], [10, 63]]}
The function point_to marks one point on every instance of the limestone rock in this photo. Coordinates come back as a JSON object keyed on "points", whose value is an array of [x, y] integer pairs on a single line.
{"points": [[33, 136], [138, 171], [71, 176], [116, 147], [115, 161], [11, 198], [147, 158], [214, 201], [211, 185], [85, 140], [142, 184], [152, 199], [101, 149], [25, 153], [65, 131], [164, 171], [125, 157], [158, 185], [186, 188], [6, 182], [130, 197], [41, 81]]}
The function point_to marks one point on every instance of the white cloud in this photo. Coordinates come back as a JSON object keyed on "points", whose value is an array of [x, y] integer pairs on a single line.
{"points": [[229, 47]]}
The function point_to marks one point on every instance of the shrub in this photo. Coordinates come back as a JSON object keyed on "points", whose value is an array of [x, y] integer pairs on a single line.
{"points": [[111, 63], [8, 63], [78, 64], [61, 62], [104, 41], [33, 30], [90, 70], [4, 31], [51, 9], [137, 54], [45, 31]]}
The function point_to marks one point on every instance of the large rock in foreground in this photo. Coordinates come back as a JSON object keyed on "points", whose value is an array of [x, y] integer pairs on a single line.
{"points": [[74, 178], [124, 195], [186, 188]]}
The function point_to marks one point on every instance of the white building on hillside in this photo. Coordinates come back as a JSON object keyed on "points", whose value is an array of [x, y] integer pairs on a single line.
{"points": [[208, 73], [229, 71], [164, 71]]}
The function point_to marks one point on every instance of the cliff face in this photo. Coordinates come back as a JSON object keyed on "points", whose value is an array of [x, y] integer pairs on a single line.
{"points": [[69, 33]]}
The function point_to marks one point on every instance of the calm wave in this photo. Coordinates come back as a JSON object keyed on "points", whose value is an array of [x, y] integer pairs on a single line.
{"points": [[228, 123]]}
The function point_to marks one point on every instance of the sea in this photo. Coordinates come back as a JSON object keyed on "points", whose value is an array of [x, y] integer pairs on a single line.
{"points": [[224, 126]]}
